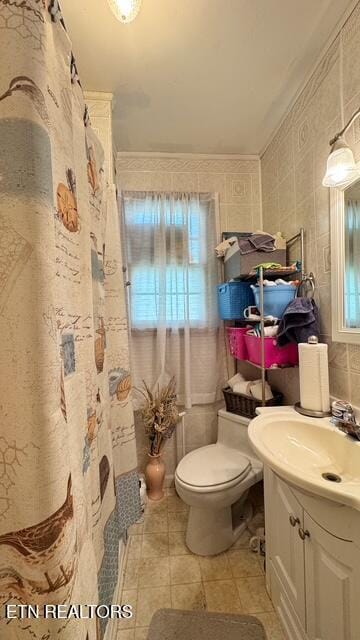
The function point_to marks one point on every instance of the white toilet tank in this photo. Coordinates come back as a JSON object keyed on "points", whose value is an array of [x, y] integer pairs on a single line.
{"points": [[233, 432]]}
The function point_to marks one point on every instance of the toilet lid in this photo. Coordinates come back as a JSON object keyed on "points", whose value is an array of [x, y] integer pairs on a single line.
{"points": [[212, 465]]}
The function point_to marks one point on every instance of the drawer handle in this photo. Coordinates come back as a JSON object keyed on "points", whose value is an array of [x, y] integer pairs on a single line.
{"points": [[294, 521], [304, 533]]}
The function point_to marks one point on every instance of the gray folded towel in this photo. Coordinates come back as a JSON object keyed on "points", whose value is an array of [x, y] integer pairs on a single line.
{"points": [[300, 321], [257, 242]]}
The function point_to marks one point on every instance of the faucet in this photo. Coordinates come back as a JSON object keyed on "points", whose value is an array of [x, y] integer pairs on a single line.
{"points": [[343, 417]]}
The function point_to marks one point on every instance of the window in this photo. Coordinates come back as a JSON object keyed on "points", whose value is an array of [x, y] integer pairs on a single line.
{"points": [[168, 238], [352, 254]]}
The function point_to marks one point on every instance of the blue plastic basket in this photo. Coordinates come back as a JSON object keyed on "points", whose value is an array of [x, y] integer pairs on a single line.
{"points": [[276, 299], [233, 298]]}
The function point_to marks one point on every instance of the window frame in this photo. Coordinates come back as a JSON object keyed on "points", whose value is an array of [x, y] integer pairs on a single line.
{"points": [[201, 322]]}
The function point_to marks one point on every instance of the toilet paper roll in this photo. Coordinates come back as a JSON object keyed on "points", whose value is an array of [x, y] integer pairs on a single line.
{"points": [[238, 377], [256, 391], [314, 377], [242, 387]]}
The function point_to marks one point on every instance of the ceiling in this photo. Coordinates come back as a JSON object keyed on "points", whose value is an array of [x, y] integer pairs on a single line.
{"points": [[201, 76]]}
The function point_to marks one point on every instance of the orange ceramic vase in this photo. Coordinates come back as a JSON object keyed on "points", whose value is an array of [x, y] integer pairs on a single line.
{"points": [[155, 474]]}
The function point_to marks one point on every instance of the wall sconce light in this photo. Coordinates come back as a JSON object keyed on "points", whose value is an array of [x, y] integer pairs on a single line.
{"points": [[341, 168], [125, 10]]}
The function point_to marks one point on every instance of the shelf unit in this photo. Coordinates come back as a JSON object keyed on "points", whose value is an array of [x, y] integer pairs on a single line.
{"points": [[300, 236], [273, 368]]}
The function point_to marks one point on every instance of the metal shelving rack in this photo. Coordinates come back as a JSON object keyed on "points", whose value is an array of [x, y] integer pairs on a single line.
{"points": [[301, 237]]}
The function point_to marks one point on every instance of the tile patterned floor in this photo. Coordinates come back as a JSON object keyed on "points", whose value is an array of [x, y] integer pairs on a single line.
{"points": [[162, 572]]}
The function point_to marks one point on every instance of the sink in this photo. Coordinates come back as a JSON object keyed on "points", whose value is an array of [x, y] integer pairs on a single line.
{"points": [[310, 453]]}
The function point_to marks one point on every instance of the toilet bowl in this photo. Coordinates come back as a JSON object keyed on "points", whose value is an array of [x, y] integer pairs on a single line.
{"points": [[214, 481]]}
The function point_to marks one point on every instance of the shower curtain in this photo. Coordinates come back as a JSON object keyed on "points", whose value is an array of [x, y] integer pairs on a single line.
{"points": [[68, 480]]}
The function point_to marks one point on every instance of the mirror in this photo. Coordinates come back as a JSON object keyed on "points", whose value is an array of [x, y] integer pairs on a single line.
{"points": [[345, 251]]}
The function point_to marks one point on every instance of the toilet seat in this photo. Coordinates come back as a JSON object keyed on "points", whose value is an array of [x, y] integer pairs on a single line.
{"points": [[212, 467]]}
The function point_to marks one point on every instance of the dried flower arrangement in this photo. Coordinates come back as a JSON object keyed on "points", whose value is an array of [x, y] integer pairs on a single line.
{"points": [[160, 414]]}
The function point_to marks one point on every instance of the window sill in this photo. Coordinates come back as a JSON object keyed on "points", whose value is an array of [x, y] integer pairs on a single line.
{"points": [[194, 330]]}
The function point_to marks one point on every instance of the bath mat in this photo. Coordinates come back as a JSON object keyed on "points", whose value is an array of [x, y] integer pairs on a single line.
{"points": [[172, 624]]}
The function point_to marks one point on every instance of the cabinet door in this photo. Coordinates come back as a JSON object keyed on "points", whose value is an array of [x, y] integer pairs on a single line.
{"points": [[332, 575], [287, 548]]}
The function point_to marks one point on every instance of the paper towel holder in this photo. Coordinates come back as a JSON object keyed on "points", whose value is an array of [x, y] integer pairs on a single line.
{"points": [[309, 412]]}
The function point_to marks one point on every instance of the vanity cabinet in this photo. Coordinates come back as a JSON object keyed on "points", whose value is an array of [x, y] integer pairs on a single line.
{"points": [[313, 575], [287, 548], [332, 578]]}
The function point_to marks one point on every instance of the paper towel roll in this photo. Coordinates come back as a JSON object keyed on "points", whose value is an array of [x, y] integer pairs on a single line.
{"points": [[314, 377]]}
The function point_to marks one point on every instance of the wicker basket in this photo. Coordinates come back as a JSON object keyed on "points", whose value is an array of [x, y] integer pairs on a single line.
{"points": [[245, 405]]}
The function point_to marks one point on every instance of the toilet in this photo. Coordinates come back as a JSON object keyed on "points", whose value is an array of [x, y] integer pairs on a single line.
{"points": [[214, 481]]}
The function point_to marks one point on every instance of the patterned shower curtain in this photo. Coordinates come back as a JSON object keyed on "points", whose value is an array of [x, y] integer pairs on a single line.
{"points": [[68, 480]]}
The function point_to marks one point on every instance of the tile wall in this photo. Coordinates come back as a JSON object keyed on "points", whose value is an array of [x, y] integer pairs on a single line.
{"points": [[292, 169], [237, 182]]}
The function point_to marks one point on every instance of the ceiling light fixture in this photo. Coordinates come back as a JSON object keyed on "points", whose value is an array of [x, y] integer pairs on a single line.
{"points": [[341, 167], [125, 10]]}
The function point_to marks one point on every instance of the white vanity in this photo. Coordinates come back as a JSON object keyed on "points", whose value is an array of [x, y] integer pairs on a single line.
{"points": [[312, 518]]}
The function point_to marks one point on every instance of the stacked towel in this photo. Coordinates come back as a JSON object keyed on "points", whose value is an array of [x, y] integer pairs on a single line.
{"points": [[222, 248], [257, 242], [278, 281]]}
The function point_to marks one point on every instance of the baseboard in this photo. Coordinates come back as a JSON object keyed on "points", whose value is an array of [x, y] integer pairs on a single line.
{"points": [[112, 626]]}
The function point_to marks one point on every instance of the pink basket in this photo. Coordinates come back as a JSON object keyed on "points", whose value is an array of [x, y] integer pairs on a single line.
{"points": [[237, 345], [274, 355]]}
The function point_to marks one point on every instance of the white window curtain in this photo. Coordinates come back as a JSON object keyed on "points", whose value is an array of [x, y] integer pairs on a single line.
{"points": [[352, 257], [175, 329]]}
